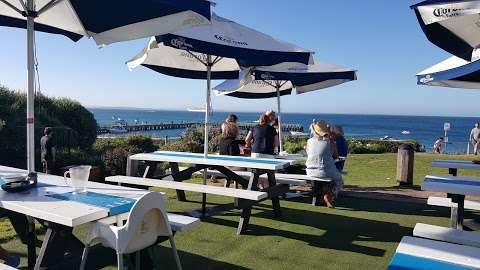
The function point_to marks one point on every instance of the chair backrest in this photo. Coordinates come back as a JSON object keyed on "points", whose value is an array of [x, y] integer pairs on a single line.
{"points": [[147, 220]]}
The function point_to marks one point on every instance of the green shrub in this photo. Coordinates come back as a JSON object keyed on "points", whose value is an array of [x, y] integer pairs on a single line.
{"points": [[295, 145], [114, 151], [192, 141], [73, 125]]}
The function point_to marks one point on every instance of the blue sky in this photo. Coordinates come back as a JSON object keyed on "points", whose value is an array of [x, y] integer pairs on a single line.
{"points": [[379, 38]]}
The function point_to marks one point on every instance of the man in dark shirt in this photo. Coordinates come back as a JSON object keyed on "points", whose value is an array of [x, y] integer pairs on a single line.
{"points": [[48, 151]]}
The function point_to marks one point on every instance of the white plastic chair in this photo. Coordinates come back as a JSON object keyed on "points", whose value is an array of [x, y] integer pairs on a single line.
{"points": [[146, 222]]}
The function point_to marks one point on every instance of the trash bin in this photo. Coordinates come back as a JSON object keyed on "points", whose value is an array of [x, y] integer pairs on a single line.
{"points": [[405, 160]]}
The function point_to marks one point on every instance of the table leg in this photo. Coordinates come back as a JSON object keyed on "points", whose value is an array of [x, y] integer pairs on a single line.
{"points": [[277, 212], [315, 193], [31, 239], [46, 240], [457, 213], [247, 210], [180, 193]]}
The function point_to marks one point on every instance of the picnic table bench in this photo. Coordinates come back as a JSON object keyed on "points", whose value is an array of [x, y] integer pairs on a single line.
{"points": [[62, 215], [246, 199], [447, 235], [456, 188], [284, 179], [454, 165], [422, 254]]}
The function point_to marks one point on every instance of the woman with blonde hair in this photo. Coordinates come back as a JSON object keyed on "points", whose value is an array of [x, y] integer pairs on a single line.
{"points": [[320, 162]]}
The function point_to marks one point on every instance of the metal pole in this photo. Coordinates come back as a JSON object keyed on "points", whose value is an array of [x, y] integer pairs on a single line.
{"points": [[279, 119], [30, 93], [205, 142], [207, 105]]}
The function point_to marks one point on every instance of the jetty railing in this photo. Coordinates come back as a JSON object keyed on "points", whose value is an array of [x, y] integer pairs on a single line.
{"points": [[185, 125]]}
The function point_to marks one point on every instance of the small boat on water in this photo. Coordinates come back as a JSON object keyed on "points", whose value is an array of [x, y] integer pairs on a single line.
{"points": [[119, 127], [196, 109], [406, 132]]}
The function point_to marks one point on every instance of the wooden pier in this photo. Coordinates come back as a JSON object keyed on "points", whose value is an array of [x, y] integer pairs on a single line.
{"points": [[185, 125]]}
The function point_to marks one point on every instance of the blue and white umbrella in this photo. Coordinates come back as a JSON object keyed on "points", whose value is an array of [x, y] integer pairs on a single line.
{"points": [[279, 80], [453, 72], [452, 25], [105, 21], [215, 51], [223, 43]]}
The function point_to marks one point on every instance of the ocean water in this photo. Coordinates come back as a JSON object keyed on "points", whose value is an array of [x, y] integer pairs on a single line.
{"points": [[424, 129]]}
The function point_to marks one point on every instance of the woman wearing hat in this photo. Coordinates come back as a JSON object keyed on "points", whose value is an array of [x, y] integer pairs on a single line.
{"points": [[320, 162]]}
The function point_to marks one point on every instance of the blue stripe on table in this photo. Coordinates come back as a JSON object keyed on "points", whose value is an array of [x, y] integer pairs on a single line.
{"points": [[453, 182], [115, 204], [407, 262], [222, 158]]}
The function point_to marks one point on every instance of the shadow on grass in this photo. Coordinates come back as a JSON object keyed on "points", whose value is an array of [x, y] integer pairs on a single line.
{"points": [[389, 188], [383, 206], [341, 231], [164, 260]]}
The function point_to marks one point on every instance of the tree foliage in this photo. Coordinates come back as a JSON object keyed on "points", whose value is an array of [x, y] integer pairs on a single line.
{"points": [[73, 125]]}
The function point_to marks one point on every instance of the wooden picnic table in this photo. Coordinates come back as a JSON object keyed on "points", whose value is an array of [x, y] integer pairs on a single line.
{"points": [[61, 216], [223, 164], [456, 188]]}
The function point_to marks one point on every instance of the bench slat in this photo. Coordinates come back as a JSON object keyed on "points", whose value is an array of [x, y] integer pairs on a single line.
{"points": [[447, 234], [440, 251], [447, 202], [283, 178], [229, 192]]}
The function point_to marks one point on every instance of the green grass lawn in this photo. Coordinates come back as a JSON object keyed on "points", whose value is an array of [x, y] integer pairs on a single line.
{"points": [[358, 234], [380, 170]]}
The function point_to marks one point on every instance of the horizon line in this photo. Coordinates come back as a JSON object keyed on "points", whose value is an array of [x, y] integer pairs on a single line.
{"points": [[289, 112]]}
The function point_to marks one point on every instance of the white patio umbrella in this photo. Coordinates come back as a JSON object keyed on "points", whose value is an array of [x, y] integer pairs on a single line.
{"points": [[224, 43], [215, 51], [105, 21], [452, 25], [453, 72], [279, 80]]}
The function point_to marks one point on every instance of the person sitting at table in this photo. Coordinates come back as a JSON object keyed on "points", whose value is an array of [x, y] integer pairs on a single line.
{"points": [[261, 138], [320, 162], [231, 119], [272, 116], [229, 145], [341, 145]]}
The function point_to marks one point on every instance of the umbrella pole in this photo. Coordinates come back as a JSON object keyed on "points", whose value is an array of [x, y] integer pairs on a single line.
{"points": [[30, 125], [205, 142], [279, 119], [30, 93]]}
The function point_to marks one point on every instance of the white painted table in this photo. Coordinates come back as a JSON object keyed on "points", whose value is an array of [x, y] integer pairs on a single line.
{"points": [[454, 165], [417, 253], [37, 204], [257, 167], [456, 188]]}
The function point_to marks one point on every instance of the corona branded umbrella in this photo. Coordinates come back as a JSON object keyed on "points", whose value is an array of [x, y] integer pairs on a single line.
{"points": [[216, 51], [453, 72], [451, 25], [279, 80], [223, 42], [106, 21]]}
